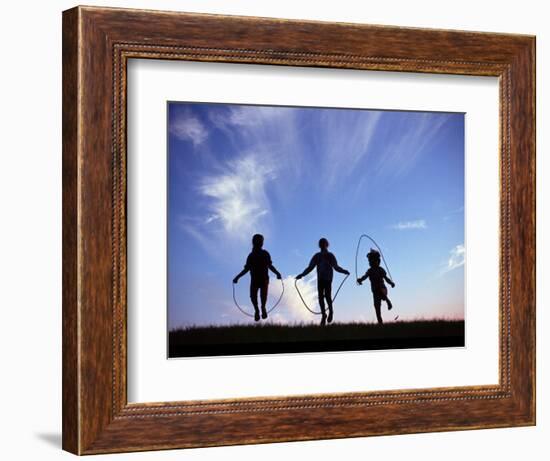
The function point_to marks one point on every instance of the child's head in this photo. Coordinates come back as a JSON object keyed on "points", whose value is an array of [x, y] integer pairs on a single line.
{"points": [[323, 243], [258, 241], [374, 258]]}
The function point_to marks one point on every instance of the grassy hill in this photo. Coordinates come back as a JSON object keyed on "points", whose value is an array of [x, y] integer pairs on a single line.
{"points": [[266, 338]]}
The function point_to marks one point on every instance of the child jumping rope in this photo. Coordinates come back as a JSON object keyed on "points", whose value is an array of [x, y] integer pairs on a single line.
{"points": [[325, 261], [377, 275], [258, 263]]}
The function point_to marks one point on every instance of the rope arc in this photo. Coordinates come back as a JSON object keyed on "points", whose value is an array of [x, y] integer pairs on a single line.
{"points": [[248, 314], [304, 302]]}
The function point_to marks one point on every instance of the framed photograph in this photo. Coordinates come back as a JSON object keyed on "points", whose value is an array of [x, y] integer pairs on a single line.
{"points": [[251, 177], [281, 230]]}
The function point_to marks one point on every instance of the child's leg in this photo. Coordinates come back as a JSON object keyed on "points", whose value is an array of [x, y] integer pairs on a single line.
{"points": [[321, 296], [377, 306], [263, 299], [328, 297], [388, 302], [254, 295], [254, 299]]}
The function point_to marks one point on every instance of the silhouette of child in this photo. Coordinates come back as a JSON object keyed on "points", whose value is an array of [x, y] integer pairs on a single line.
{"points": [[258, 263], [325, 261], [377, 276]]}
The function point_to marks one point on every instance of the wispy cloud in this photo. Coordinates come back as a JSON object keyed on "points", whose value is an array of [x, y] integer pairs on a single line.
{"points": [[345, 141], [237, 197], [188, 127], [194, 227], [456, 258], [402, 152], [232, 191], [272, 133], [291, 309], [410, 225], [243, 116]]}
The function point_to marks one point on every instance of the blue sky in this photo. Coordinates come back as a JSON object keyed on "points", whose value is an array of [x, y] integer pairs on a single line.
{"points": [[298, 174]]}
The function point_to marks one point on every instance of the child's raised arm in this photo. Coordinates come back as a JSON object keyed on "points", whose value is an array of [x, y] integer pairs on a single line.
{"points": [[240, 274], [360, 280], [309, 268], [244, 271], [272, 267], [336, 267], [387, 279], [275, 271]]}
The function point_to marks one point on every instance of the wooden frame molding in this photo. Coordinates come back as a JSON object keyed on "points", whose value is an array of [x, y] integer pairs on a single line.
{"points": [[97, 43]]}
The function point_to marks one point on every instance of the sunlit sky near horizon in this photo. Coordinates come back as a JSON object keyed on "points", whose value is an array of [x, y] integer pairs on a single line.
{"points": [[298, 174]]}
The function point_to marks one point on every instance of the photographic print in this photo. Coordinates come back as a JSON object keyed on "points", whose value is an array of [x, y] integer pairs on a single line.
{"points": [[313, 229]]}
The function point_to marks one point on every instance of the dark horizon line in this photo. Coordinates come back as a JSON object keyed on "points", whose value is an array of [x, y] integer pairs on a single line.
{"points": [[296, 324]]}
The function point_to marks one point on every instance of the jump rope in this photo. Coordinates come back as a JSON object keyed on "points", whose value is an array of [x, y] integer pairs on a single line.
{"points": [[248, 314], [305, 304], [379, 251]]}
